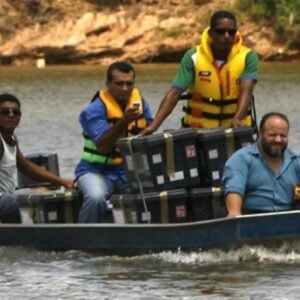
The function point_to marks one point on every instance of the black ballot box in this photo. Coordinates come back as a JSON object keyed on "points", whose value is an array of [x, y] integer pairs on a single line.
{"points": [[206, 203], [56, 206], [135, 161], [46, 160], [161, 161], [154, 207], [215, 146]]}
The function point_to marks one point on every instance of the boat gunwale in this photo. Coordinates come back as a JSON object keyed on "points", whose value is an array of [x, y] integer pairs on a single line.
{"points": [[151, 225]]}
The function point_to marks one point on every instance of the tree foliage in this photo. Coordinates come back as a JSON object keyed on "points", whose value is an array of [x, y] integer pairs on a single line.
{"points": [[284, 15]]}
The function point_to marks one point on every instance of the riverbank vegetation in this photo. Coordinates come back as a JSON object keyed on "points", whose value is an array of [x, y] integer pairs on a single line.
{"points": [[282, 15], [140, 31]]}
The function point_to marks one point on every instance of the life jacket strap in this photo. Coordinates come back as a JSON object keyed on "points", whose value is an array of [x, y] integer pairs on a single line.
{"points": [[216, 102]]}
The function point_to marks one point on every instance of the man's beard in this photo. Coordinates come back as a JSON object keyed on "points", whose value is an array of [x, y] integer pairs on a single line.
{"points": [[274, 153]]}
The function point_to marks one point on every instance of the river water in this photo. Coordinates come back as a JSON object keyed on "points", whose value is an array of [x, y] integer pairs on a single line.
{"points": [[51, 101]]}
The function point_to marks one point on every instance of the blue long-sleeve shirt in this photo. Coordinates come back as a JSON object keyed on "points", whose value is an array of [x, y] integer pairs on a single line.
{"points": [[247, 173]]}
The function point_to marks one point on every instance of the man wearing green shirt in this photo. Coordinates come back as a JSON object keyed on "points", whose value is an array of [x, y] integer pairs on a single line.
{"points": [[219, 75]]}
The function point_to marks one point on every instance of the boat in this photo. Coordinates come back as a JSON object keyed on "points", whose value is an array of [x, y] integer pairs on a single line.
{"points": [[131, 239], [178, 218], [54, 228]]}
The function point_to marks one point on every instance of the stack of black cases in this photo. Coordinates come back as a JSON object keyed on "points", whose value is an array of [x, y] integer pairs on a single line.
{"points": [[214, 147], [55, 206], [154, 207], [184, 166], [161, 161]]}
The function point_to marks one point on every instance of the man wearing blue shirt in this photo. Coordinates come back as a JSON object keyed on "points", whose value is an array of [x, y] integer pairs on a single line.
{"points": [[260, 177], [115, 112]]}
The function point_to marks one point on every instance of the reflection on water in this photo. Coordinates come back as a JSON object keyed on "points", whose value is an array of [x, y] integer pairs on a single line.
{"points": [[51, 101]]}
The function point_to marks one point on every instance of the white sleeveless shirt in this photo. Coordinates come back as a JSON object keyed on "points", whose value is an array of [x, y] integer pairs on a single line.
{"points": [[8, 166]]}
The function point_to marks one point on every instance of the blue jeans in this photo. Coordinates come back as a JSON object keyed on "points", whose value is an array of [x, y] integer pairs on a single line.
{"points": [[96, 189]]}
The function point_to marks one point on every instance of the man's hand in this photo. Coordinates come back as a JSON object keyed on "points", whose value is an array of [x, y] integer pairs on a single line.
{"points": [[235, 123], [147, 131], [107, 142], [69, 184], [233, 214], [131, 114], [165, 108]]}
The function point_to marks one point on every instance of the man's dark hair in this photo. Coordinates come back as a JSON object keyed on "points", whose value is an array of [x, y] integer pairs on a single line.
{"points": [[10, 98], [221, 14], [121, 66], [273, 114]]}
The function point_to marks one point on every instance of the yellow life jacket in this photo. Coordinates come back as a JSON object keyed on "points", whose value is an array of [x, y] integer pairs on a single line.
{"points": [[114, 113], [215, 91]]}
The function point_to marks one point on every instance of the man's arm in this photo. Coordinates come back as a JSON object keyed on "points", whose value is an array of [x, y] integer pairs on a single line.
{"points": [[235, 180], [234, 203], [184, 79], [247, 84], [244, 100], [166, 107], [107, 142], [36, 172]]}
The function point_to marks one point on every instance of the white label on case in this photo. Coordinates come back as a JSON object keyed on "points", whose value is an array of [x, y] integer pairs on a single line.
{"points": [[146, 216], [134, 217], [215, 175], [213, 154], [156, 158], [52, 215], [160, 179], [145, 162], [118, 216], [193, 172], [179, 175]]}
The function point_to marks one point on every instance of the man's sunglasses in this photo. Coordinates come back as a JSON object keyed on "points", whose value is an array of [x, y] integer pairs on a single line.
{"points": [[222, 31], [7, 111]]}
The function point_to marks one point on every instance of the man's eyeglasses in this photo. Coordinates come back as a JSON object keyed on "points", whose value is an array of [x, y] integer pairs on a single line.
{"points": [[222, 31], [7, 111]]}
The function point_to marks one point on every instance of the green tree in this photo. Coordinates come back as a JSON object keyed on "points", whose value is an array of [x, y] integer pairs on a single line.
{"points": [[284, 15]]}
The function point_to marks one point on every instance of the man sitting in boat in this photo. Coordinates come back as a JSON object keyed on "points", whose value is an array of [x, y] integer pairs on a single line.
{"points": [[11, 158], [260, 177], [115, 112], [220, 75]]}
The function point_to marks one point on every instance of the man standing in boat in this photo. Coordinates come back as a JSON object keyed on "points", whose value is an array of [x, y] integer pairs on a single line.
{"points": [[11, 158], [115, 112], [261, 177], [220, 75]]}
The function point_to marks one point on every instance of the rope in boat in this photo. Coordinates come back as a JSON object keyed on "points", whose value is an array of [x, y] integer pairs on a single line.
{"points": [[135, 171]]}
